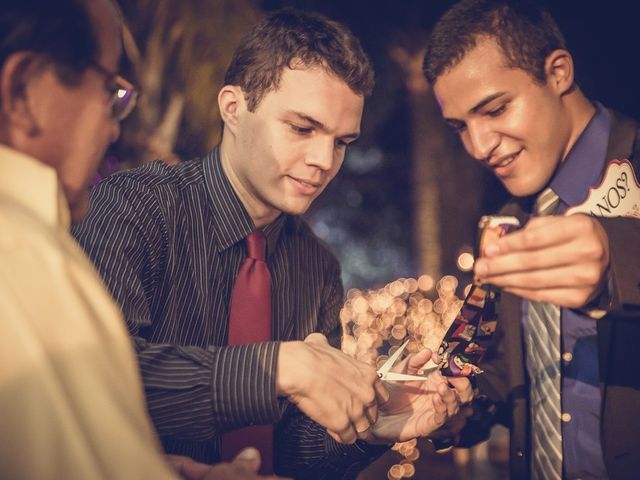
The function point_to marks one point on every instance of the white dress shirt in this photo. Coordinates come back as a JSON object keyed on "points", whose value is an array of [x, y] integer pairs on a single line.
{"points": [[71, 400]]}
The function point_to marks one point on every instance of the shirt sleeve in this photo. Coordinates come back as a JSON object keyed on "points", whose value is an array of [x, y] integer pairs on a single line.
{"points": [[624, 269], [70, 394], [192, 393]]}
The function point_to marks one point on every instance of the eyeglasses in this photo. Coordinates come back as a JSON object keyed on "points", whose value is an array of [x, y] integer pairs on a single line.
{"points": [[124, 94]]}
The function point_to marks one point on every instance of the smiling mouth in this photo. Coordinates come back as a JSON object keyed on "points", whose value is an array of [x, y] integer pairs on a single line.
{"points": [[505, 161], [306, 183], [306, 186]]}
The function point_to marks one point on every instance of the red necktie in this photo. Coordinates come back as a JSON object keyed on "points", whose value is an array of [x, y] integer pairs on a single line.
{"points": [[250, 322]]}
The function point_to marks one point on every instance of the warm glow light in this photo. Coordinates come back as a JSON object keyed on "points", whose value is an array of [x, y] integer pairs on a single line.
{"points": [[377, 322], [396, 288], [448, 283], [360, 305], [353, 292], [465, 262], [396, 472], [425, 283], [411, 285]]}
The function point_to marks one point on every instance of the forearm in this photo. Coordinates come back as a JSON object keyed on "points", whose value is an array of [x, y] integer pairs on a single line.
{"points": [[195, 393]]}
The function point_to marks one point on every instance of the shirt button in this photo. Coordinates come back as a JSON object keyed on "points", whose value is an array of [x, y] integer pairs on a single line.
{"points": [[520, 453], [566, 417], [567, 357]]}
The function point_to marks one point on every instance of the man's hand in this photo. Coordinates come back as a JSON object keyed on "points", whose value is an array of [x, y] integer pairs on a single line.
{"points": [[451, 429], [416, 409], [244, 467], [338, 392], [561, 260]]}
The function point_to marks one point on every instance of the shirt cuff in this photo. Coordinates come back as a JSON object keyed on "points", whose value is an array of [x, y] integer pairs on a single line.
{"points": [[601, 305], [355, 456], [244, 385]]}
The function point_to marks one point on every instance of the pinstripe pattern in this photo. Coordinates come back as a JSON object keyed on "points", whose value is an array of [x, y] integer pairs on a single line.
{"points": [[168, 242], [543, 362]]}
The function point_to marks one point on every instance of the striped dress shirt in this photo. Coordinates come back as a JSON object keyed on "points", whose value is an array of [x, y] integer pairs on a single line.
{"points": [[169, 243]]}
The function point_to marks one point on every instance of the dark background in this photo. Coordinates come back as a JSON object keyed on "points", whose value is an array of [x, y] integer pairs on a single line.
{"points": [[371, 214], [604, 41]]}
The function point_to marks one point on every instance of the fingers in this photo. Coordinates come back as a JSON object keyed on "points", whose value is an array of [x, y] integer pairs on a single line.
{"points": [[555, 266], [539, 232], [340, 393], [463, 389], [340, 437], [188, 468], [417, 360], [454, 425], [358, 421], [348, 434], [492, 268], [567, 254], [450, 399], [587, 275], [547, 232], [371, 412], [381, 397], [365, 400], [248, 459], [439, 411], [361, 426], [381, 393]]}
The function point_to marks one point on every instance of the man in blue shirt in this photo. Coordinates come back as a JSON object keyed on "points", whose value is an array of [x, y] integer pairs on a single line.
{"points": [[505, 82]]}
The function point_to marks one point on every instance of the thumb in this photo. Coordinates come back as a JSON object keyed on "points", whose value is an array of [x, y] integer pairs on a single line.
{"points": [[418, 359], [248, 459], [316, 338]]}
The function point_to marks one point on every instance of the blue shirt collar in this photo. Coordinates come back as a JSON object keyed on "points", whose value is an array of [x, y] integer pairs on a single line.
{"points": [[584, 165]]}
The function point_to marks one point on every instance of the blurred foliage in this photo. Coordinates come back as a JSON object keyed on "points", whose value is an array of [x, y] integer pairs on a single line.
{"points": [[183, 48]]}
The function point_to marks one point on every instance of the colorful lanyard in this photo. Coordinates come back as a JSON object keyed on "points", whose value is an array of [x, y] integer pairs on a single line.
{"points": [[468, 337]]}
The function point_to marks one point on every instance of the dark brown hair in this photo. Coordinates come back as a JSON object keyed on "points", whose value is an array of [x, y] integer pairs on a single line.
{"points": [[524, 31], [60, 30], [289, 36]]}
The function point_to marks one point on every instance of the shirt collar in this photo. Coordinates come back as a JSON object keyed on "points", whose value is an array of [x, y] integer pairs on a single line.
{"points": [[583, 166], [34, 186], [231, 220]]}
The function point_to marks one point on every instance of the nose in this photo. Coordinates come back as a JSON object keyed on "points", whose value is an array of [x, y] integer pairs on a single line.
{"points": [[481, 141], [322, 154]]}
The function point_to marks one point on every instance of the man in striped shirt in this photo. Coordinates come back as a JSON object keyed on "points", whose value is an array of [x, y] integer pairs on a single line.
{"points": [[169, 243]]}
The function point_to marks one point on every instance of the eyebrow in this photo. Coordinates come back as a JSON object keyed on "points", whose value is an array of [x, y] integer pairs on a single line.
{"points": [[485, 101], [321, 126]]}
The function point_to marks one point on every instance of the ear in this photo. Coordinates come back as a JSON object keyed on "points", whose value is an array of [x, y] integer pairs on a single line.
{"points": [[15, 105], [232, 105], [558, 68]]}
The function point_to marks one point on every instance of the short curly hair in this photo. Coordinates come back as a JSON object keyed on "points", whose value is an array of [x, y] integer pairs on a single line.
{"points": [[524, 31], [289, 36]]}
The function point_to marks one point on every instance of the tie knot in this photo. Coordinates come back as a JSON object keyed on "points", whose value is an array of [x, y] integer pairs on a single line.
{"points": [[547, 202], [256, 243]]}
